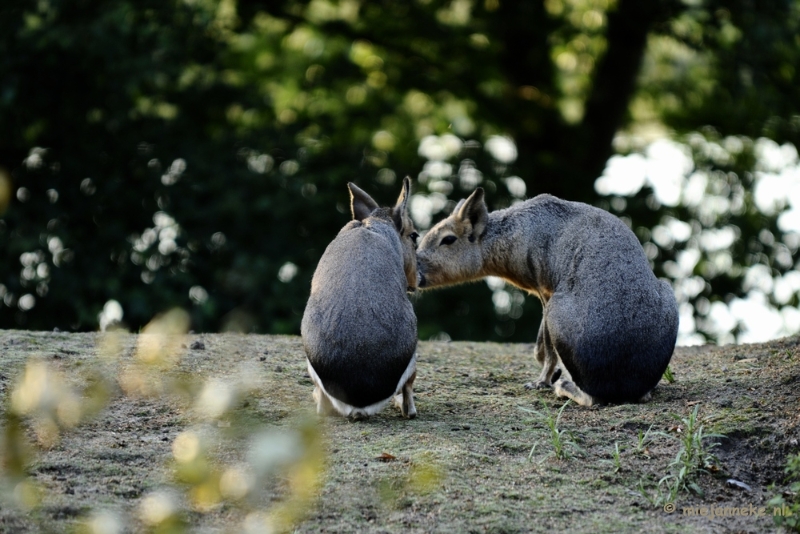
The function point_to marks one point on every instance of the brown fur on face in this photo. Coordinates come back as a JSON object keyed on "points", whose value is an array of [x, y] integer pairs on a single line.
{"points": [[362, 205], [451, 252], [408, 234]]}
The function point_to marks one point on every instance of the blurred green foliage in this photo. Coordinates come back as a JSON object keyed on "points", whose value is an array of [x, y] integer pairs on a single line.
{"points": [[195, 153]]}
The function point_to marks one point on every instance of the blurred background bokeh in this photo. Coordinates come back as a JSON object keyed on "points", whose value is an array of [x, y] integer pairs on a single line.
{"points": [[194, 153]]}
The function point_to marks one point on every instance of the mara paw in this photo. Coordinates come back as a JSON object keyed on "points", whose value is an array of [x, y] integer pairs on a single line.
{"points": [[539, 384], [567, 388]]}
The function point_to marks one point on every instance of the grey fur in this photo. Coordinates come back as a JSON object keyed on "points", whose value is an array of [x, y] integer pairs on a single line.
{"points": [[359, 329], [608, 321]]}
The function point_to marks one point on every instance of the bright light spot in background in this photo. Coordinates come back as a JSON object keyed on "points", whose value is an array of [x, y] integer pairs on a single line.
{"points": [[174, 172], [111, 314], [718, 238], [516, 186], [502, 149], [664, 167], [218, 240], [35, 158], [198, 294], [439, 177], [439, 148], [669, 162], [441, 186], [695, 188], [679, 230], [421, 210], [26, 302], [785, 287], [289, 167], [260, 163], [165, 232], [495, 283], [668, 168], [383, 140], [623, 175], [772, 157], [502, 301], [287, 271], [778, 182], [423, 207], [469, 177], [759, 320], [87, 187], [437, 169], [386, 176]]}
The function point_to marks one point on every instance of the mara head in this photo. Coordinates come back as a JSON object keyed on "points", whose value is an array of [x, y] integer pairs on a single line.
{"points": [[362, 205], [450, 253]]}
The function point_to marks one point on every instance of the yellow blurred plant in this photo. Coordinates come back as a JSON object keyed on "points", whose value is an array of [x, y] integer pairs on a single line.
{"points": [[159, 348], [46, 401], [43, 400]]}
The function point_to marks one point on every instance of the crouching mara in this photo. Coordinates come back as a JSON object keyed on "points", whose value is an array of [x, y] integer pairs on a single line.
{"points": [[359, 330], [609, 325]]}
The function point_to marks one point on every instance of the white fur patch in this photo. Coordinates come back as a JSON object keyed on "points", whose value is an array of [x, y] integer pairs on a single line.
{"points": [[351, 411]]}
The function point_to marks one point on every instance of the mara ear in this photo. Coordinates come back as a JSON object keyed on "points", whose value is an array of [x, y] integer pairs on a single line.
{"points": [[400, 210], [474, 210], [361, 204]]}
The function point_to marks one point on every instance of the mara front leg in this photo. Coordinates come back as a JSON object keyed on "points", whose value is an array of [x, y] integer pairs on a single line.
{"points": [[538, 350], [546, 355], [405, 399]]}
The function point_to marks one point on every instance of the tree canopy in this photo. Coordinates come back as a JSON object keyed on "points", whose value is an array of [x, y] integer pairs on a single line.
{"points": [[194, 153]]}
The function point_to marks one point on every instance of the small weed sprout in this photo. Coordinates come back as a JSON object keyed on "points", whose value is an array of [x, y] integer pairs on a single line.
{"points": [[642, 440], [616, 459], [563, 441], [789, 501], [668, 376], [694, 457]]}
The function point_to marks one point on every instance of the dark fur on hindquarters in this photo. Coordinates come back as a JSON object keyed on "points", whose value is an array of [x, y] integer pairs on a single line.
{"points": [[359, 329], [608, 323]]}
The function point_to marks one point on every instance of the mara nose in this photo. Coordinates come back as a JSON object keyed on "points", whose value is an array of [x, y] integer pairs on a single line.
{"points": [[420, 279]]}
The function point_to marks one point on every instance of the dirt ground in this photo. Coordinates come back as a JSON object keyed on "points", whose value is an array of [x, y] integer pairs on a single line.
{"points": [[463, 465]]}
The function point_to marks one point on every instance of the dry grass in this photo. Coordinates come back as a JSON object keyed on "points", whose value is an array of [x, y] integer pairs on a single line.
{"points": [[464, 465]]}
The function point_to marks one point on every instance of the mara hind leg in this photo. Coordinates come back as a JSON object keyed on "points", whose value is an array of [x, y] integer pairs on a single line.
{"points": [[324, 404], [567, 388], [405, 399], [562, 313]]}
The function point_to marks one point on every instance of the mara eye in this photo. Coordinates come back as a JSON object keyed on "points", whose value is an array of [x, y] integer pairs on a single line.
{"points": [[413, 236], [449, 240]]}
